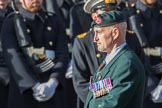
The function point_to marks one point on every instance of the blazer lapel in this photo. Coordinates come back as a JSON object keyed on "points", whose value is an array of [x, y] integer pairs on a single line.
{"points": [[107, 68]]}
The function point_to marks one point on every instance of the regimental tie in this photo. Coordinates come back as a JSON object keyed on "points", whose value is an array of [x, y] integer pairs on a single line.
{"points": [[102, 65]]}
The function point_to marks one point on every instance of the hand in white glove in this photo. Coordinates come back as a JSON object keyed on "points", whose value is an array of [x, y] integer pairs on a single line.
{"points": [[36, 93], [156, 94], [46, 90]]}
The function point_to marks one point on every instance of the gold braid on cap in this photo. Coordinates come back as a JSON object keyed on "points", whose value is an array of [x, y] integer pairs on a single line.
{"points": [[109, 1]]}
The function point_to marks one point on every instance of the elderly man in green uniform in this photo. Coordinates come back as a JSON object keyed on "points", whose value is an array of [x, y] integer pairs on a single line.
{"points": [[119, 80], [86, 58]]}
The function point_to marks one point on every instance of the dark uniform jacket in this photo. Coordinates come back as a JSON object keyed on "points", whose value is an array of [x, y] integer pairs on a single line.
{"points": [[80, 21], [85, 62], [150, 21], [127, 77], [4, 73], [44, 30]]}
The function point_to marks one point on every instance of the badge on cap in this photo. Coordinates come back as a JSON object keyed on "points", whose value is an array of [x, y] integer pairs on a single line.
{"points": [[110, 1]]}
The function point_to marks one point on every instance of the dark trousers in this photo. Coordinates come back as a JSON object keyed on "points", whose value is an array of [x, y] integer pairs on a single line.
{"points": [[149, 104], [70, 95], [3, 96]]}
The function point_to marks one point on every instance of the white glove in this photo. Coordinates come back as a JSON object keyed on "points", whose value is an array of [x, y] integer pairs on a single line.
{"points": [[156, 94], [36, 93], [46, 90], [69, 71]]}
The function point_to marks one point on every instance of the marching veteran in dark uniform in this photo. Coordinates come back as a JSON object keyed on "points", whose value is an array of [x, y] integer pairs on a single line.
{"points": [[119, 80], [4, 72], [35, 49], [86, 58]]}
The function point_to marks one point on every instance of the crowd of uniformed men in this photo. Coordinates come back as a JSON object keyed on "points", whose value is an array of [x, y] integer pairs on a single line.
{"points": [[48, 54]]}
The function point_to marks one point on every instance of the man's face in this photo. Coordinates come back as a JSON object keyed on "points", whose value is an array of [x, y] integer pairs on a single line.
{"points": [[103, 38], [32, 5], [3, 4], [149, 2]]}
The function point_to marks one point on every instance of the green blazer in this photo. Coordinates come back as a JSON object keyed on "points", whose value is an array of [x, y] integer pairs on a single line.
{"points": [[128, 80]]}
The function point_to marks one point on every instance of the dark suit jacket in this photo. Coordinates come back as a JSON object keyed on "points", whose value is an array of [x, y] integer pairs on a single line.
{"points": [[127, 76]]}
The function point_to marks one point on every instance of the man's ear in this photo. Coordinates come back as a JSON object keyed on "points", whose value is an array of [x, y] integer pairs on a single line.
{"points": [[115, 32]]}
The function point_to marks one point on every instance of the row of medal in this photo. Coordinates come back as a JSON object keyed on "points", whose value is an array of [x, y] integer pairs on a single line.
{"points": [[101, 87]]}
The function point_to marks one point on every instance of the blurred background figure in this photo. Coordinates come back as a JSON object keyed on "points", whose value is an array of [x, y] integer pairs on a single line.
{"points": [[5, 9], [35, 48], [61, 8], [80, 21], [147, 25]]}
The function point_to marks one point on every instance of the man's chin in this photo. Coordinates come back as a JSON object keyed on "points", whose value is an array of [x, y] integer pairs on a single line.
{"points": [[34, 9], [99, 49]]}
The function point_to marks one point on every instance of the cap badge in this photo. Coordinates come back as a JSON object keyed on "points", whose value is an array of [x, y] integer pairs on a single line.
{"points": [[98, 20]]}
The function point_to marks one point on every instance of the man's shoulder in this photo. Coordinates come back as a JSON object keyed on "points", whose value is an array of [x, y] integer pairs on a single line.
{"points": [[84, 36]]}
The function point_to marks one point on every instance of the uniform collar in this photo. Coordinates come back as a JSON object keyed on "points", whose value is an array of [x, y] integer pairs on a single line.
{"points": [[6, 11], [114, 52], [147, 11], [29, 15]]}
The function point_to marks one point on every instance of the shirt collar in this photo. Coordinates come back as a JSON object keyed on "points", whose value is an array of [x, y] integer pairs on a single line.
{"points": [[26, 14], [114, 52]]}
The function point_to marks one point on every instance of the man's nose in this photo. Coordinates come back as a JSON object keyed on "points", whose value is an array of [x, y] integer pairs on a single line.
{"points": [[95, 39]]}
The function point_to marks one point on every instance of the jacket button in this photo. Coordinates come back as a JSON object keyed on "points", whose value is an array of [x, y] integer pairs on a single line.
{"points": [[98, 55]]}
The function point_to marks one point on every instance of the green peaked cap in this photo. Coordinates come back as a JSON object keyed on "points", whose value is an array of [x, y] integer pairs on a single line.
{"points": [[109, 18]]}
